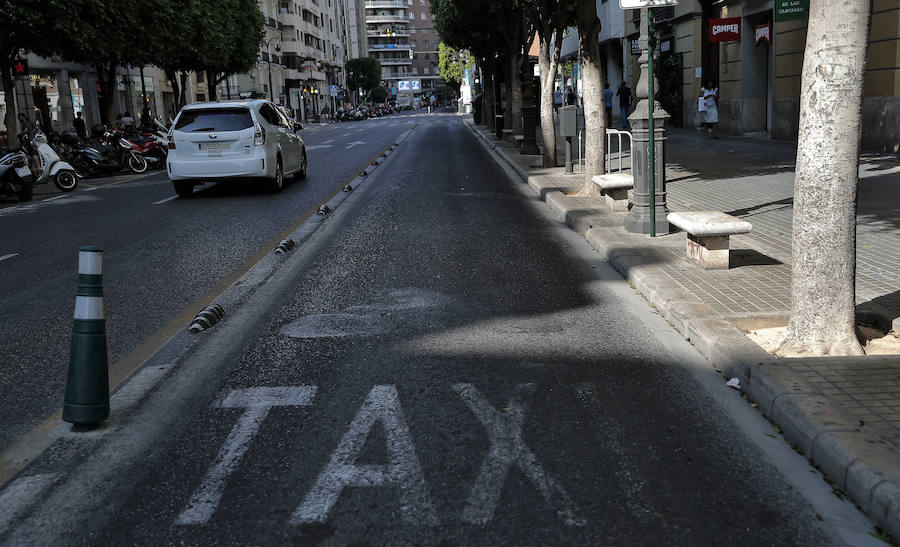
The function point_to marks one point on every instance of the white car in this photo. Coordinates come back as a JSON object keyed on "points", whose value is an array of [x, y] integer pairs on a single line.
{"points": [[223, 140]]}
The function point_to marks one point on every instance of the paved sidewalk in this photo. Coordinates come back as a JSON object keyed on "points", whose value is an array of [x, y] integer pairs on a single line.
{"points": [[842, 413]]}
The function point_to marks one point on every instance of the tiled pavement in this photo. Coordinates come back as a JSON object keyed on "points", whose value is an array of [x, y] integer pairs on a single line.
{"points": [[753, 179]]}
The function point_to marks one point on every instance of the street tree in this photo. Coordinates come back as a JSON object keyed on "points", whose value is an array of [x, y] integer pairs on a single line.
{"points": [[365, 73], [589, 27], [452, 63], [462, 24], [550, 17], [230, 36], [823, 269], [25, 26]]}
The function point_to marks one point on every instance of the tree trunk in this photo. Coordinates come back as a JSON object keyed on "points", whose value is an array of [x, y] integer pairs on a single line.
{"points": [[487, 96], [9, 97], [183, 100], [823, 270], [212, 79], [514, 96], [106, 79], [172, 76], [548, 59], [594, 111]]}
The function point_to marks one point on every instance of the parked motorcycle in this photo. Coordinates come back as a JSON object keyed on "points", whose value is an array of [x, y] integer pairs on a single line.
{"points": [[52, 167], [113, 154], [15, 176]]}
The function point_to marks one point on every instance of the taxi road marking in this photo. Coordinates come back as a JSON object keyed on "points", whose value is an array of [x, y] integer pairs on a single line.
{"points": [[257, 403]]}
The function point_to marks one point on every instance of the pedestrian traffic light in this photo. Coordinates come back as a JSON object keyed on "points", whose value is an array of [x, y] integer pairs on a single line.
{"points": [[389, 31]]}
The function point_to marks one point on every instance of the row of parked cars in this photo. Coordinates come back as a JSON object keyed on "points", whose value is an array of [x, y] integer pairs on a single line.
{"points": [[234, 139]]}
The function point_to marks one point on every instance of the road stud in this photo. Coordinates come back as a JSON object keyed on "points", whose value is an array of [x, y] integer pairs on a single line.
{"points": [[87, 387]]}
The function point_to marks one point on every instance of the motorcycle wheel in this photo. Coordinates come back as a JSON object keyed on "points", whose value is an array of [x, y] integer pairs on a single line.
{"points": [[26, 191], [82, 168], [66, 180], [137, 163]]}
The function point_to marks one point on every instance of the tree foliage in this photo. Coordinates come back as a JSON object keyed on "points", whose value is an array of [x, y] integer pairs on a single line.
{"points": [[453, 63], [364, 72]]}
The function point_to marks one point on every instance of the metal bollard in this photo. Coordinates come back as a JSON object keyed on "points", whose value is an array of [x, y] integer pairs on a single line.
{"points": [[87, 387]]}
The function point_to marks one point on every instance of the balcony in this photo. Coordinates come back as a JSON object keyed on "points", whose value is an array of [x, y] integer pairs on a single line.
{"points": [[389, 47], [383, 34], [385, 4], [375, 19], [395, 62]]}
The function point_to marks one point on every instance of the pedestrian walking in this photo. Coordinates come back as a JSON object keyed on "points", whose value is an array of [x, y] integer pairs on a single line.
{"points": [[607, 103], [78, 123], [624, 94], [709, 116], [570, 96], [557, 99]]}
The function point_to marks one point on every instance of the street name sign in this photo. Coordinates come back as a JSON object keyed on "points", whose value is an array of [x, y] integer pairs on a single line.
{"points": [[791, 10], [637, 4]]}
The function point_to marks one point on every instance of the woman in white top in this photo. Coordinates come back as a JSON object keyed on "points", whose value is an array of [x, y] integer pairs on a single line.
{"points": [[710, 116]]}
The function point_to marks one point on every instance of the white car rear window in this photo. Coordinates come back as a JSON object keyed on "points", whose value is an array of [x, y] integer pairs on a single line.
{"points": [[214, 119]]}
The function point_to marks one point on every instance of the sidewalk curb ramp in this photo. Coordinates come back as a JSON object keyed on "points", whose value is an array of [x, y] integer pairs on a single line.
{"points": [[855, 458]]}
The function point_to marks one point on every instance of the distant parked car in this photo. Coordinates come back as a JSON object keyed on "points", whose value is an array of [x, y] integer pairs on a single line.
{"points": [[240, 139]]}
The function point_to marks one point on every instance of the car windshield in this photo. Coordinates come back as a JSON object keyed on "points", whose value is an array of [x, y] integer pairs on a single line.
{"points": [[214, 119]]}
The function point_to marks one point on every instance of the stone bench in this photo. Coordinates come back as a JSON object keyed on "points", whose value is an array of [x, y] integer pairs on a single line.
{"points": [[707, 235], [614, 187]]}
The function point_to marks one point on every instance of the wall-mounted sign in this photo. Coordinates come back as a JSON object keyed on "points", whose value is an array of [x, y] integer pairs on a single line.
{"points": [[764, 33], [403, 85], [636, 47], [725, 30], [791, 10], [665, 46], [19, 67]]}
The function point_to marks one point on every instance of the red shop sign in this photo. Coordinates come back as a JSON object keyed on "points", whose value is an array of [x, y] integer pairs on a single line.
{"points": [[725, 30]]}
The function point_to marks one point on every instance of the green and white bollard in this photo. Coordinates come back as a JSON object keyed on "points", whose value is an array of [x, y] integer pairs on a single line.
{"points": [[87, 388]]}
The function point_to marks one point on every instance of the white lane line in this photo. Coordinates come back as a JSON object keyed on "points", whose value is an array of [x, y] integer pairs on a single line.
{"points": [[21, 494], [170, 198], [508, 448], [403, 469], [329, 141], [55, 198], [92, 189], [347, 134], [4, 257], [256, 402]]}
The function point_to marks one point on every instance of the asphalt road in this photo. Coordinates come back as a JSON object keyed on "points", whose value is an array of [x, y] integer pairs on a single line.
{"points": [[436, 364], [159, 257]]}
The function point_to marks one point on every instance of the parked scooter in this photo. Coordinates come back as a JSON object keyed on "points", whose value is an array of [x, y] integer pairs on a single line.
{"points": [[52, 166], [15, 176], [113, 154]]}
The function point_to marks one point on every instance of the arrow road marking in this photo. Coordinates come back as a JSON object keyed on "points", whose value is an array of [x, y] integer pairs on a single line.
{"points": [[257, 403], [403, 470], [4, 257], [354, 143], [508, 448]]}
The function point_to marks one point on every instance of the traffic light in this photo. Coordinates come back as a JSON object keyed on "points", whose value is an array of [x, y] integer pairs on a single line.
{"points": [[389, 31]]}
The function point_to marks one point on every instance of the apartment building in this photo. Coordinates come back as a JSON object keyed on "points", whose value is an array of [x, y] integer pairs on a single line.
{"points": [[402, 37]]}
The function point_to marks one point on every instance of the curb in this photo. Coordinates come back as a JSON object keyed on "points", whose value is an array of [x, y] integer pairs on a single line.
{"points": [[855, 458]]}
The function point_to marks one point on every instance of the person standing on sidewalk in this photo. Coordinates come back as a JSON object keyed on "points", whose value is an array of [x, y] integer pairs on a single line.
{"points": [[607, 103], [710, 116], [624, 94]]}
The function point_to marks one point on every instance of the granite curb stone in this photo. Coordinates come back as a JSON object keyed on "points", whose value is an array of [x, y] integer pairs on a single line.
{"points": [[859, 461]]}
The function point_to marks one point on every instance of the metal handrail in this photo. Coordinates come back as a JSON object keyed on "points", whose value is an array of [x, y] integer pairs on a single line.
{"points": [[608, 159]]}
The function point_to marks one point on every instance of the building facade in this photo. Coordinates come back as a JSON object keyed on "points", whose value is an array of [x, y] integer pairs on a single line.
{"points": [[753, 51], [402, 37]]}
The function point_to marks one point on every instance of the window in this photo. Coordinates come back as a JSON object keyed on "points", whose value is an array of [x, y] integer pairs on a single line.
{"points": [[412, 43], [422, 2], [425, 70], [267, 111], [214, 119], [424, 43], [424, 15], [412, 16]]}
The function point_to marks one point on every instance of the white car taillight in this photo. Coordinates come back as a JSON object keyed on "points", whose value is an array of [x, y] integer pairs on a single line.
{"points": [[259, 135], [171, 139]]}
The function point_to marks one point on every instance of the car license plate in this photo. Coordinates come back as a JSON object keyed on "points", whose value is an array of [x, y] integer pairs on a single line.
{"points": [[215, 145], [23, 172]]}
